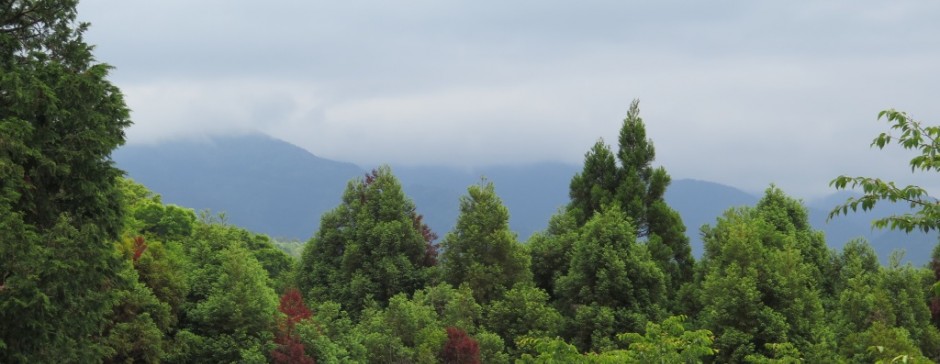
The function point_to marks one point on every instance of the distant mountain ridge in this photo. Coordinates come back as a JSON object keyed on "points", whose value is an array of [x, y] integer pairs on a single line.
{"points": [[270, 186], [261, 183]]}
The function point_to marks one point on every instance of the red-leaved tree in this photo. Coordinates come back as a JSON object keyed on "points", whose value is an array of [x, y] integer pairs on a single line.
{"points": [[460, 348], [139, 247], [289, 348]]}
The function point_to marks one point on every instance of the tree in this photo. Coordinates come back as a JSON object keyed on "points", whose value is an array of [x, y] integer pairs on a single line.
{"points": [[760, 285], [371, 247], [522, 311], [550, 250], [669, 342], [638, 189], [460, 348], [913, 136], [230, 308], [612, 283], [290, 348], [60, 118], [481, 251]]}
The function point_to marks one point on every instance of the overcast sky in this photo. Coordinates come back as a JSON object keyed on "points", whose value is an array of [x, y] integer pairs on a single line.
{"points": [[745, 93]]}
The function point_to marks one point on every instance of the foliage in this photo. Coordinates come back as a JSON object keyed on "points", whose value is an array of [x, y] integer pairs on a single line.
{"points": [[760, 285], [60, 118], [669, 342], [612, 282], [460, 348], [522, 311], [290, 349], [371, 247], [913, 136], [481, 251], [637, 189], [229, 313], [96, 268], [550, 251]]}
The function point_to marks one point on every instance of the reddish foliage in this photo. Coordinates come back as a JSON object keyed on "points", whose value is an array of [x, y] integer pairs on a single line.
{"points": [[139, 247], [430, 248], [290, 351], [460, 348], [289, 348], [292, 305]]}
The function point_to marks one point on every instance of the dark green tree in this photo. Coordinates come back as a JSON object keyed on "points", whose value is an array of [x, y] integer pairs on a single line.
{"points": [[612, 283], [638, 189], [371, 247], [60, 214], [550, 250], [596, 186], [481, 251]]}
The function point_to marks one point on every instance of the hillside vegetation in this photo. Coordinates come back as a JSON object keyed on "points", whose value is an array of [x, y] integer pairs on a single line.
{"points": [[97, 268]]}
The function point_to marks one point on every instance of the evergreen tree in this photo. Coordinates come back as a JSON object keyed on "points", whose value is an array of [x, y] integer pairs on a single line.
{"points": [[481, 251], [596, 186], [638, 189], [612, 283], [759, 289], [371, 247], [59, 209], [550, 250]]}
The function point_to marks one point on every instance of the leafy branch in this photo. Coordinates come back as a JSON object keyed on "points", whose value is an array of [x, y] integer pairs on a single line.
{"points": [[913, 136]]}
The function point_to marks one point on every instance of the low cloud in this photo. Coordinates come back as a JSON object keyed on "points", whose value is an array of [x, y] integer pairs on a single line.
{"points": [[736, 92]]}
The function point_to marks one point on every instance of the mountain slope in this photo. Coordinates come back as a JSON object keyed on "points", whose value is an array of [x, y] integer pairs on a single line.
{"points": [[261, 183]]}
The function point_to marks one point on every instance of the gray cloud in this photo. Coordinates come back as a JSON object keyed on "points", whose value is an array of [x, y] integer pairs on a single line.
{"points": [[744, 93]]}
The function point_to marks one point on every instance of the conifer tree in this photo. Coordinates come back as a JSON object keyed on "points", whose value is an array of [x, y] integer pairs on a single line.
{"points": [[60, 118], [612, 282], [371, 247], [760, 288], [638, 189], [481, 250]]}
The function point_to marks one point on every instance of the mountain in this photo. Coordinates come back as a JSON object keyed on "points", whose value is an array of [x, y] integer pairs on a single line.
{"points": [[261, 183], [271, 186], [276, 188]]}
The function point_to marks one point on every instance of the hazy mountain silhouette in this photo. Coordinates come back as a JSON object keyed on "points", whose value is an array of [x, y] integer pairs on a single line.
{"points": [[276, 188], [261, 183]]}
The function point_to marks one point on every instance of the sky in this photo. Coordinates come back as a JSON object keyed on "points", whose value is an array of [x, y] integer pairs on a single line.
{"points": [[745, 93]]}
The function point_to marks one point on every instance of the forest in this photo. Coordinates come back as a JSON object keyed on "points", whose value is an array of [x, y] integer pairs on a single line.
{"points": [[95, 268]]}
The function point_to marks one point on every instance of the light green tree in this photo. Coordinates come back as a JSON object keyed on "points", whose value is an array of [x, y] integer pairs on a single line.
{"points": [[760, 285]]}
